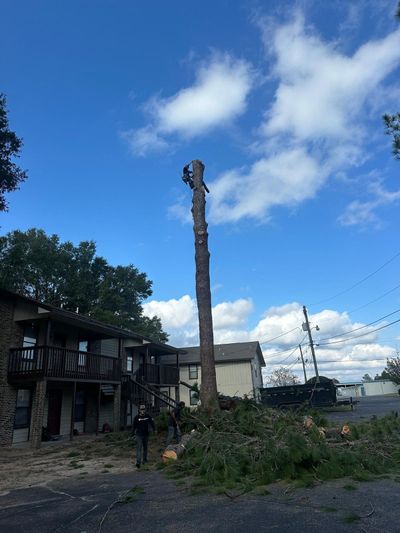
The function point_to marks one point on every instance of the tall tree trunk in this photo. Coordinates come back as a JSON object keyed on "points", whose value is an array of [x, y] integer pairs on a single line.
{"points": [[208, 390]]}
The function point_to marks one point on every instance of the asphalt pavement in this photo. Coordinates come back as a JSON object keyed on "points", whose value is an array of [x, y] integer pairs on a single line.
{"points": [[99, 504], [366, 408], [146, 501]]}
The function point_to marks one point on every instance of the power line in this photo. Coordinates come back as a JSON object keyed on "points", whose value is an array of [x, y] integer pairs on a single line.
{"points": [[292, 352], [373, 301], [362, 334], [361, 327], [353, 360], [292, 365], [284, 360], [280, 352], [358, 282], [333, 336], [275, 354], [278, 336]]}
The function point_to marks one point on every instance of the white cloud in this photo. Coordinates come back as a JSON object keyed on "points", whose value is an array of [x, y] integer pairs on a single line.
{"points": [[282, 327], [217, 97], [362, 214], [144, 139], [179, 211], [315, 126], [321, 91], [287, 178], [231, 314], [173, 313], [179, 319]]}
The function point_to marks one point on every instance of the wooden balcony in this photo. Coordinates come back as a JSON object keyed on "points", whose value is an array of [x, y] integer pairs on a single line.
{"points": [[159, 374], [51, 362]]}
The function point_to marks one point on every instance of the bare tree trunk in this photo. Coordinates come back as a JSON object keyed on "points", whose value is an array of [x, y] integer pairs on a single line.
{"points": [[208, 389]]}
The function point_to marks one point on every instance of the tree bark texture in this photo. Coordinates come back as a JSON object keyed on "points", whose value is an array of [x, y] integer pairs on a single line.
{"points": [[208, 389]]}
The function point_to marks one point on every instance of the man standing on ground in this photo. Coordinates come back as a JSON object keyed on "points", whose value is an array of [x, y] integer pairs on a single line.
{"points": [[140, 429], [174, 423]]}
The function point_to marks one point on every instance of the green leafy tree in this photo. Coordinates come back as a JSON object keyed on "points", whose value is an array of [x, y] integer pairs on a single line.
{"points": [[75, 278], [383, 375], [392, 124], [392, 369], [10, 145], [367, 378], [392, 121]]}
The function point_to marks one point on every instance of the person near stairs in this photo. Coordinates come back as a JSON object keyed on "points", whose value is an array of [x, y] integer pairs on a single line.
{"points": [[140, 430]]}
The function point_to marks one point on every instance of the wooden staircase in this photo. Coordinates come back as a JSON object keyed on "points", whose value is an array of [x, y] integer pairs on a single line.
{"points": [[135, 389]]}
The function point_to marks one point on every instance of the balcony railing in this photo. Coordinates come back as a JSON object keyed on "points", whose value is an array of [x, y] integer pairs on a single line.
{"points": [[52, 362], [159, 374]]}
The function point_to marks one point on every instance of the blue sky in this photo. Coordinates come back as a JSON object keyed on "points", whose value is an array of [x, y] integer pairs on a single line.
{"points": [[283, 105]]}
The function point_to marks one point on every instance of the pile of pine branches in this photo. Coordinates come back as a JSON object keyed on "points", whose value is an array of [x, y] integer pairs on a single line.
{"points": [[253, 445]]}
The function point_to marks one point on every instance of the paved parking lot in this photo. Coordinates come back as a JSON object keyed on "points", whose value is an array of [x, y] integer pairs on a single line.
{"points": [[145, 501], [367, 407], [91, 506]]}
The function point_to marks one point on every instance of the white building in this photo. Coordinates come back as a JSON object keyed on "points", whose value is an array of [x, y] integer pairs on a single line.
{"points": [[367, 388], [237, 365]]}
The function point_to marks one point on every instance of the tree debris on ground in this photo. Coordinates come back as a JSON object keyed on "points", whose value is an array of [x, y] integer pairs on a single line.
{"points": [[253, 445]]}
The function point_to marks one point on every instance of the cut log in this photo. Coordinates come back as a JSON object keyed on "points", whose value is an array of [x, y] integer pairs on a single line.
{"points": [[173, 451]]}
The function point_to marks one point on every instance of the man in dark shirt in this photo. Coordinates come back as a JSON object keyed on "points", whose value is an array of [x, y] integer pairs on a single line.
{"points": [[174, 423], [140, 429]]}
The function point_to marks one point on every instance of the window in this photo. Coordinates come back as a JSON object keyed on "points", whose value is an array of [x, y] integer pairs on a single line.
{"points": [[83, 346], [29, 342], [194, 397], [129, 363], [23, 411], [193, 372], [80, 406], [30, 336]]}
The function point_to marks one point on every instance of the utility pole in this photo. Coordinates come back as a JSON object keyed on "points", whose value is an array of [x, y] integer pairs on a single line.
{"points": [[194, 178], [304, 366], [308, 329]]}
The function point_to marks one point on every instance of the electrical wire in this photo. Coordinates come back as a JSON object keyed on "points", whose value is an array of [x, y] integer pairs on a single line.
{"points": [[297, 362], [275, 354], [362, 334], [320, 363], [290, 355], [361, 327], [280, 352], [283, 361], [358, 282], [373, 301], [278, 336]]}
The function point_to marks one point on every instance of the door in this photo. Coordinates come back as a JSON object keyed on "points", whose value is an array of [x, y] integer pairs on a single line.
{"points": [[54, 412]]}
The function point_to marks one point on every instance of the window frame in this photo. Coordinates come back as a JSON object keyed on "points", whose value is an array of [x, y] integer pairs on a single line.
{"points": [[193, 401], [129, 364], [28, 409], [80, 413], [191, 372], [30, 341]]}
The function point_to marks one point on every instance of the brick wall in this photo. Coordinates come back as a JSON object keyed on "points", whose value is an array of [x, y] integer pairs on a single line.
{"points": [[37, 413], [117, 407], [11, 335]]}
